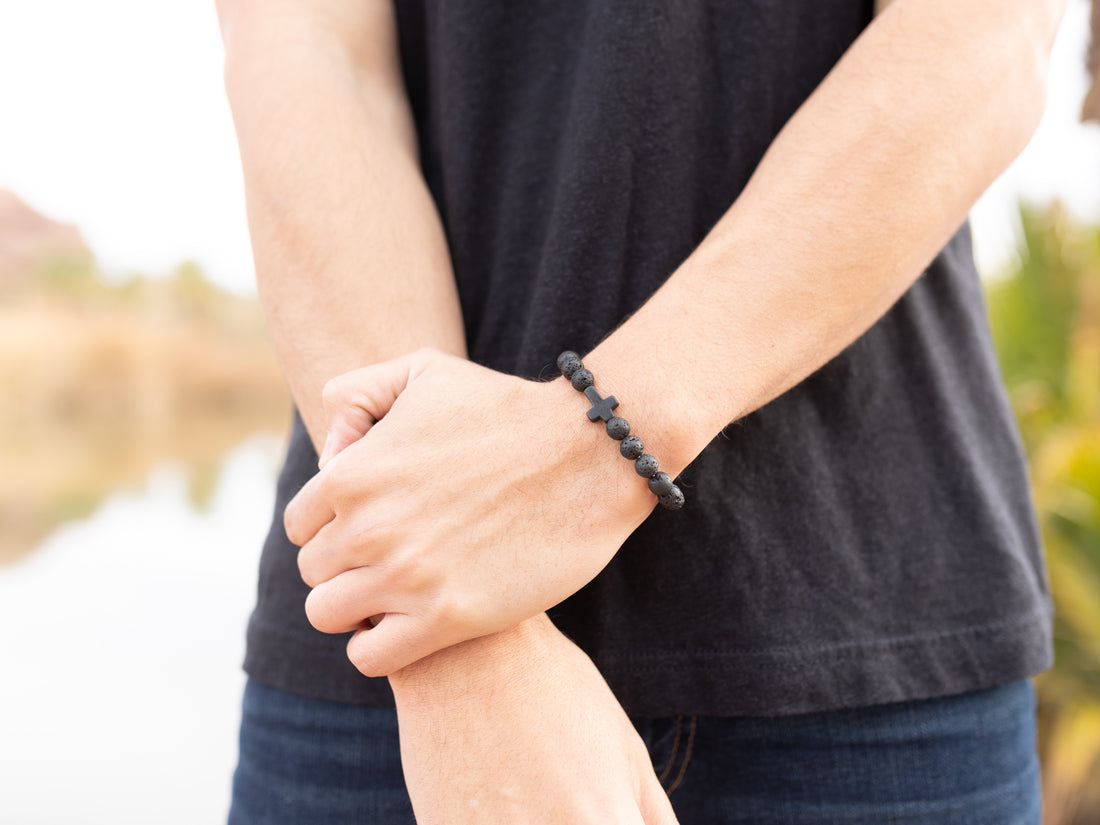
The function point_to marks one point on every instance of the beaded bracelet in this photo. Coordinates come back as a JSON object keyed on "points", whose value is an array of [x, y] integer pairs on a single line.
{"points": [[630, 446]]}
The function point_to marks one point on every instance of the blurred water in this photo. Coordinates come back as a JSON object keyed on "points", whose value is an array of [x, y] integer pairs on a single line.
{"points": [[121, 639]]}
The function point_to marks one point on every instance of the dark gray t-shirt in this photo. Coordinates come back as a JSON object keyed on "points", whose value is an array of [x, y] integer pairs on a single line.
{"points": [[867, 537]]}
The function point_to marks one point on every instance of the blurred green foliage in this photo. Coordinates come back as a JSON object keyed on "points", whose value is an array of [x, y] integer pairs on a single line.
{"points": [[104, 381], [1045, 316]]}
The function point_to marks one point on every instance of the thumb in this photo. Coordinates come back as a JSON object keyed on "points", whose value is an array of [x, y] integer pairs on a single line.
{"points": [[357, 400]]}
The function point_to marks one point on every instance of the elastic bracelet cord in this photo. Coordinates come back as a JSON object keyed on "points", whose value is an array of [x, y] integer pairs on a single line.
{"points": [[630, 446]]}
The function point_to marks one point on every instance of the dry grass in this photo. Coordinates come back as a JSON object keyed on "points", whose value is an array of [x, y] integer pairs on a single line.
{"points": [[102, 384]]}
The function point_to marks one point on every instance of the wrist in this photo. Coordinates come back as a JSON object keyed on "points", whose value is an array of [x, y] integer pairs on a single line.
{"points": [[604, 410], [603, 476], [470, 669], [657, 410]]}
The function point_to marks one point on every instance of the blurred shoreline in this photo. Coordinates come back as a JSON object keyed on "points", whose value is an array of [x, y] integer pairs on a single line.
{"points": [[103, 383]]}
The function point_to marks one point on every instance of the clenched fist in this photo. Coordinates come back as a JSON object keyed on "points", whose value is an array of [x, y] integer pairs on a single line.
{"points": [[454, 501]]}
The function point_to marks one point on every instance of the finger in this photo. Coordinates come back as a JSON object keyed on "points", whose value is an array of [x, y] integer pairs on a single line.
{"points": [[356, 400], [321, 559], [308, 511], [345, 544], [394, 642], [343, 603], [654, 802]]}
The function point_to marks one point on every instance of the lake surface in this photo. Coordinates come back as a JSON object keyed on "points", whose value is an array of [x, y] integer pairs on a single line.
{"points": [[122, 637]]}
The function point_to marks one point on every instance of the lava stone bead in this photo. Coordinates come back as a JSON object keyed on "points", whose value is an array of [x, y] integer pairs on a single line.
{"points": [[660, 484], [569, 362], [646, 466], [673, 499], [631, 447], [618, 428], [582, 379]]}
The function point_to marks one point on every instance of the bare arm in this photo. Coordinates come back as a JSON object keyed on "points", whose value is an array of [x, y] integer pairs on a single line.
{"points": [[855, 196], [353, 269], [853, 199], [351, 261]]}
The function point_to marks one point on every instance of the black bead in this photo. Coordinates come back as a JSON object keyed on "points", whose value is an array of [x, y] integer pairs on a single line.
{"points": [[618, 428], [660, 484], [569, 362], [631, 447], [646, 466], [673, 499], [582, 379]]}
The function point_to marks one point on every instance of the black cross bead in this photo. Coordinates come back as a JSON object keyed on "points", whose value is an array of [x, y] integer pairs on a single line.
{"points": [[602, 408]]}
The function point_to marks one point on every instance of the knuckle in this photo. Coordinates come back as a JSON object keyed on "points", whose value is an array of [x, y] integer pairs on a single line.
{"points": [[365, 658], [291, 525], [424, 358], [319, 611], [454, 615], [332, 486], [331, 391], [325, 485], [412, 575], [307, 567]]}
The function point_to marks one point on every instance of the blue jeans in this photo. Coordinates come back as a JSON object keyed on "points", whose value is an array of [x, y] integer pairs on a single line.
{"points": [[961, 760]]}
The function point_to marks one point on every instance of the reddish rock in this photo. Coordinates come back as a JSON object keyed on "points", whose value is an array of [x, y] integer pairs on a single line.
{"points": [[27, 238]]}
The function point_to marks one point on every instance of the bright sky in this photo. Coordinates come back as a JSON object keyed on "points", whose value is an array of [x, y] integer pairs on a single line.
{"points": [[113, 117]]}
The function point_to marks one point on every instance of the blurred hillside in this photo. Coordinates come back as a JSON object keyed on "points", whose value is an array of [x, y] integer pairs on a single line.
{"points": [[27, 238], [102, 383]]}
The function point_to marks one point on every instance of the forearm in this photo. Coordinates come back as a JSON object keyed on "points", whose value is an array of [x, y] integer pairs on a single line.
{"points": [[520, 727], [470, 671], [853, 199], [351, 261]]}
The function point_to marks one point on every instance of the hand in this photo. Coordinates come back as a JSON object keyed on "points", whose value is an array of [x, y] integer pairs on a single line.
{"points": [[518, 728], [454, 501]]}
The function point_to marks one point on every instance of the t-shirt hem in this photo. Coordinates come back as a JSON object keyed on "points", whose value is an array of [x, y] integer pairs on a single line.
{"points": [[302, 663], [776, 681], [792, 680]]}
